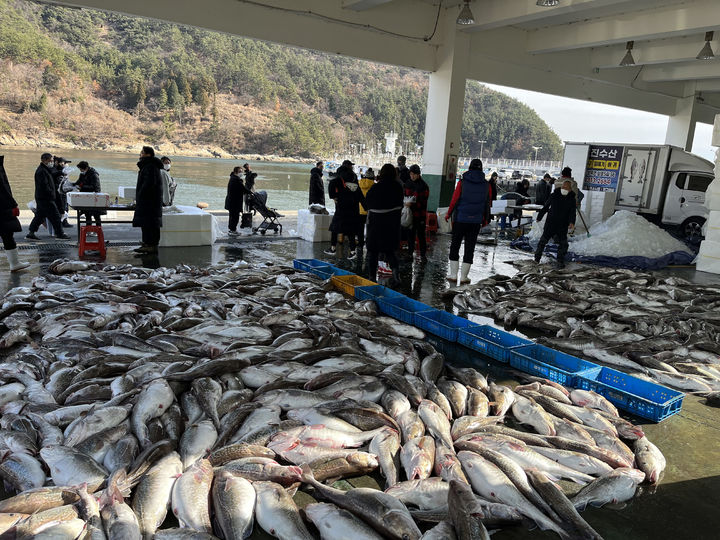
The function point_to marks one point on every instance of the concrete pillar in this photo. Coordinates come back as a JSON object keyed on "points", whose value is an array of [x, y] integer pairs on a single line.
{"points": [[443, 121], [681, 126]]}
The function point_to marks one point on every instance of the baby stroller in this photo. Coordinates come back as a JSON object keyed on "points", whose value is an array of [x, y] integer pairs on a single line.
{"points": [[256, 202]]}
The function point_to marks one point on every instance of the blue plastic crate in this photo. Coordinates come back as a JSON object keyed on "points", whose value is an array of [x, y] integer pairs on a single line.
{"points": [[551, 364], [490, 341], [313, 266], [441, 323], [643, 398], [328, 271], [374, 292], [402, 308]]}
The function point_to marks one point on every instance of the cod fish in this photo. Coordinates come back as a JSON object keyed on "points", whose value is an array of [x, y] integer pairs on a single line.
{"points": [[277, 514], [384, 513], [337, 524], [649, 459], [234, 504]]}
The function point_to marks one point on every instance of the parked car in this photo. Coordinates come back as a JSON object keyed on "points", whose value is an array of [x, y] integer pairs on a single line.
{"points": [[528, 175], [504, 174], [516, 175]]}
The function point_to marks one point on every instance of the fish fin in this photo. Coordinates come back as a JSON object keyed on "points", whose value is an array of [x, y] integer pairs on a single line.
{"points": [[291, 490]]}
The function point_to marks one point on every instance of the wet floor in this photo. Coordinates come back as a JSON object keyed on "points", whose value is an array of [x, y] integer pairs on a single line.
{"points": [[684, 505]]}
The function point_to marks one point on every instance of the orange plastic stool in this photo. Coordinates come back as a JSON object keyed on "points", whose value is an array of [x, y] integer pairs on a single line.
{"points": [[91, 246], [432, 223]]}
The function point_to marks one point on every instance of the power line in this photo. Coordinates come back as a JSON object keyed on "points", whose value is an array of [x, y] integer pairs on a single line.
{"points": [[310, 13]]}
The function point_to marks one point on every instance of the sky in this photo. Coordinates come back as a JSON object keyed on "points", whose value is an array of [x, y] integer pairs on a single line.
{"points": [[577, 120]]}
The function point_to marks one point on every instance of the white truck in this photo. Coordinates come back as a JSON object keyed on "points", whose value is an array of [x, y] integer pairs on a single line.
{"points": [[664, 183]]}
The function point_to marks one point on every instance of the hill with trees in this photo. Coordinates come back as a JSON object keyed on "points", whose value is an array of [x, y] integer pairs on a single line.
{"points": [[103, 80]]}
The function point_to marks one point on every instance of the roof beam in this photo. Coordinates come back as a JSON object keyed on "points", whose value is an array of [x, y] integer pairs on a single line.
{"points": [[362, 5], [662, 22], [312, 24], [667, 51], [497, 13], [709, 69]]}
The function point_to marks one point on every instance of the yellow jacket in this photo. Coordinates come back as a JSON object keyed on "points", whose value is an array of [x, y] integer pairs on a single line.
{"points": [[365, 185]]}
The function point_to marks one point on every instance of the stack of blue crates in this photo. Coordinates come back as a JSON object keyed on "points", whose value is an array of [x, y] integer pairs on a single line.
{"points": [[643, 398]]}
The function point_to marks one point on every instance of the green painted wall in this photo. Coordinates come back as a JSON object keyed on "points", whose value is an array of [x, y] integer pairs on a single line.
{"points": [[440, 191]]}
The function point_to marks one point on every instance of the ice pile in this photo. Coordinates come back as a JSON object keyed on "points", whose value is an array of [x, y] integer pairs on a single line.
{"points": [[626, 234]]}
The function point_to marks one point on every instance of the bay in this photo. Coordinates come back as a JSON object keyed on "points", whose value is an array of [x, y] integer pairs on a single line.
{"points": [[199, 179]]}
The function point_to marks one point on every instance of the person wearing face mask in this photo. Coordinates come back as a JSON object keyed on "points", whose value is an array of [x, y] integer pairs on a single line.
{"points": [[45, 200], [61, 176], [566, 176], [560, 208], [168, 182]]}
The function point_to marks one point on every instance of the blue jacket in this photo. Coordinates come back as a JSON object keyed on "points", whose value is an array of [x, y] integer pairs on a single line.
{"points": [[473, 201]]}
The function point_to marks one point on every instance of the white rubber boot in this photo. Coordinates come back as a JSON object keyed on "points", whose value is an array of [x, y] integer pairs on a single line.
{"points": [[452, 271], [12, 258], [464, 271]]}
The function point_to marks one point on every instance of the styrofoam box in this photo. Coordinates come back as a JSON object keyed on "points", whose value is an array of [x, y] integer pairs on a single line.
{"points": [[713, 224], [126, 192], [186, 226], [313, 227], [708, 263], [77, 199]]}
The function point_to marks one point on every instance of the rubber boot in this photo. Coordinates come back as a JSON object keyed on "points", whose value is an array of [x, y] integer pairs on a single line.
{"points": [[464, 271], [15, 264], [453, 271]]}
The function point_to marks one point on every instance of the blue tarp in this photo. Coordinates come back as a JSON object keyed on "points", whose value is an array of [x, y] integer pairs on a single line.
{"points": [[632, 262]]}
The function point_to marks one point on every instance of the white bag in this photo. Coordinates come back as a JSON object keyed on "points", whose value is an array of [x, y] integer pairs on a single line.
{"points": [[406, 217]]}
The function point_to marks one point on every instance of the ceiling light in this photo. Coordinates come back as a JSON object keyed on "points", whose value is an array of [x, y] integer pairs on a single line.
{"points": [[628, 59], [706, 53], [465, 17], [547, 3]]}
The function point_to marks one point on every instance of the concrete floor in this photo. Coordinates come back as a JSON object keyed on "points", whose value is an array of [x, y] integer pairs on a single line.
{"points": [[684, 505]]}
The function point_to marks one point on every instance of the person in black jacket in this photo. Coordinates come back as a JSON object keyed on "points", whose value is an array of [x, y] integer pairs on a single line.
{"points": [[89, 182], [250, 177], [148, 201], [560, 208], [317, 188], [60, 175], [9, 222], [348, 197], [236, 191], [45, 200], [384, 204], [403, 172], [544, 189]]}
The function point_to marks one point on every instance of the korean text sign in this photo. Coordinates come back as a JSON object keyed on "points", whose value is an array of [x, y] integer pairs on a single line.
{"points": [[603, 168]]}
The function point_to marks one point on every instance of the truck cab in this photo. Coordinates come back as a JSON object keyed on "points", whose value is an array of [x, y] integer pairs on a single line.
{"points": [[685, 202]]}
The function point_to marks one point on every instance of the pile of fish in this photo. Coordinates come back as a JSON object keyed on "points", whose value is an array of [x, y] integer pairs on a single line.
{"points": [[217, 394], [664, 329]]}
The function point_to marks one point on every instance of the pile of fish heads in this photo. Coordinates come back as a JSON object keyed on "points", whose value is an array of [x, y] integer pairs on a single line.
{"points": [[194, 403], [662, 329]]}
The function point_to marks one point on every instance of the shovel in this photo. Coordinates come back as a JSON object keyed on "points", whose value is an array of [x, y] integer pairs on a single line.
{"points": [[583, 222]]}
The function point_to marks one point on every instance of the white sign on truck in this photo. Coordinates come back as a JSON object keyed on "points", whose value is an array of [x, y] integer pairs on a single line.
{"points": [[664, 183]]}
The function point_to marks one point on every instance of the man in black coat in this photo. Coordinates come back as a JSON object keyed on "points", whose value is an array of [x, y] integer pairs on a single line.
{"points": [[45, 200], [543, 189], [560, 208], [148, 201], [317, 188], [236, 190]]}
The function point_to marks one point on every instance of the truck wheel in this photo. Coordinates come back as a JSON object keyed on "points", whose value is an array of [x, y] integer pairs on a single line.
{"points": [[692, 227]]}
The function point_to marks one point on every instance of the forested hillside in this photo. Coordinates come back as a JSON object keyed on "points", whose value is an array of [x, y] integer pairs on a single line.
{"points": [[102, 80]]}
